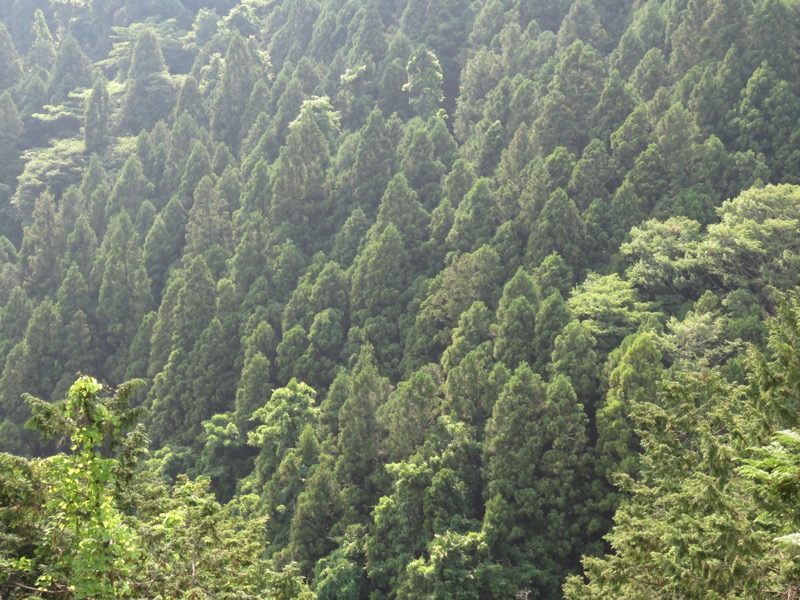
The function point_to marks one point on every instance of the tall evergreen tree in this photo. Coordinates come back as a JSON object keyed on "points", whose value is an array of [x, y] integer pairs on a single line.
{"points": [[359, 442], [11, 69], [535, 444], [149, 92], [238, 78], [97, 118], [124, 293]]}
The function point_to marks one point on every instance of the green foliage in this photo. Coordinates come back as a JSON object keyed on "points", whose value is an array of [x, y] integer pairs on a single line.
{"points": [[522, 255], [149, 92], [424, 82], [54, 168]]}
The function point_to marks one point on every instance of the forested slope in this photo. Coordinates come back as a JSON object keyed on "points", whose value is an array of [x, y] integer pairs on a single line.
{"points": [[430, 298]]}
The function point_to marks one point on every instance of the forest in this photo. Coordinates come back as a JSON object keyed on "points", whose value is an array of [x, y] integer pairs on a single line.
{"points": [[399, 299]]}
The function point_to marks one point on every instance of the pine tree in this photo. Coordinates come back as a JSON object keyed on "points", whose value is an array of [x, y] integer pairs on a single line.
{"points": [[97, 117], [71, 70], [300, 207], [11, 70], [535, 458], [124, 292], [558, 228], [131, 189], [149, 92], [516, 321], [238, 77], [42, 52], [43, 245], [409, 413], [359, 441], [474, 219]]}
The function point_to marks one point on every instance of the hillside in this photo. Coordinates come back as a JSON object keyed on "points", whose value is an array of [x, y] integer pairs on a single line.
{"points": [[455, 299]]}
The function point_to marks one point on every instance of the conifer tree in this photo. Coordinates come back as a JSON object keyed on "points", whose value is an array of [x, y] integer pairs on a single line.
{"points": [[11, 69], [282, 421], [124, 292], [97, 118], [42, 52], [34, 362], [473, 330], [238, 78], [196, 167], [474, 219], [71, 70], [191, 101], [319, 508], [472, 388], [12, 129], [300, 207], [424, 84], [565, 111], [379, 294], [43, 245], [420, 164], [535, 444], [558, 228], [208, 230], [574, 357], [409, 413], [582, 22], [13, 320], [359, 442], [149, 93], [516, 321], [634, 373], [164, 243], [131, 189]]}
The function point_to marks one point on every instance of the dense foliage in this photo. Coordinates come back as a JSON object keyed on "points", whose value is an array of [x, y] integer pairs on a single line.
{"points": [[415, 298]]}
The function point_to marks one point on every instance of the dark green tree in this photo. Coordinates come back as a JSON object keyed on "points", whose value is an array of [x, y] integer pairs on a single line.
{"points": [[359, 456], [233, 91], [559, 228], [131, 189], [124, 293], [97, 118], [535, 459], [11, 71], [474, 220], [71, 70], [149, 91], [300, 207], [42, 52], [43, 245], [516, 321]]}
